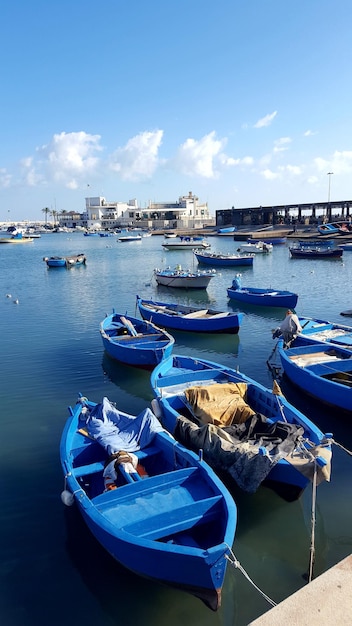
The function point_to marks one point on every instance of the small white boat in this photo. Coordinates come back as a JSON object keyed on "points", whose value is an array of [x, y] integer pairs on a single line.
{"points": [[186, 279], [130, 238], [257, 248], [186, 243]]}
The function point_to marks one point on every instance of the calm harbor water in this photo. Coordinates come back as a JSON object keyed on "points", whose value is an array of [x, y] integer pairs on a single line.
{"points": [[52, 571]]}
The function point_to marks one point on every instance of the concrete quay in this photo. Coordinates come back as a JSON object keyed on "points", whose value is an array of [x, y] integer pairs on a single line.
{"points": [[326, 600]]}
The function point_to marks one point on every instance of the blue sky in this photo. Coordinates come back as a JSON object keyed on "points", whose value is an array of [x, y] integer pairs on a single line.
{"points": [[243, 103]]}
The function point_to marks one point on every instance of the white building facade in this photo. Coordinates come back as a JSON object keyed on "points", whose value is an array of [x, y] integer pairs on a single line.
{"points": [[100, 214]]}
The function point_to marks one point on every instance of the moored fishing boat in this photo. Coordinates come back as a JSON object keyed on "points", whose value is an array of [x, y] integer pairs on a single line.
{"points": [[260, 247], [331, 228], [315, 252], [127, 238], [65, 261], [261, 297], [189, 318], [226, 230], [223, 260], [322, 370], [17, 238], [184, 279], [315, 243], [247, 432], [135, 342], [275, 241], [313, 331], [156, 507], [186, 243]]}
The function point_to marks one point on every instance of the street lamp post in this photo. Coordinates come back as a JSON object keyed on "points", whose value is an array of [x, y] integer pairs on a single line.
{"points": [[328, 207], [329, 174]]}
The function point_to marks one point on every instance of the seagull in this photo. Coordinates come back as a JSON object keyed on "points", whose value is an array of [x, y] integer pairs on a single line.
{"points": [[16, 301], [8, 295]]}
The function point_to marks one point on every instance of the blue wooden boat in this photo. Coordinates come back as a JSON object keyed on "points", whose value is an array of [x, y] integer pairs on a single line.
{"points": [[189, 318], [313, 331], [315, 243], [65, 261], [324, 371], [156, 507], [134, 341], [261, 297], [223, 260], [332, 228], [319, 331], [315, 252], [227, 230], [248, 433], [275, 241], [18, 237]]}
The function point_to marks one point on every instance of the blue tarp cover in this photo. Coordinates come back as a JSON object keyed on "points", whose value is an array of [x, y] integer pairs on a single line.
{"points": [[116, 430]]}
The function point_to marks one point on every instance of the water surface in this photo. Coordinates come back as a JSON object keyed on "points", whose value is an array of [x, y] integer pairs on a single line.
{"points": [[52, 570]]}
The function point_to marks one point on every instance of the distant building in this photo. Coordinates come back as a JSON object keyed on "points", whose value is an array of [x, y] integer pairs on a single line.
{"points": [[101, 214]]}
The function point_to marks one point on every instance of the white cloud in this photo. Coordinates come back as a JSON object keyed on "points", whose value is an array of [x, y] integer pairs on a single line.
{"points": [[70, 157], [5, 178], [295, 170], [340, 163], [309, 133], [197, 157], [265, 121], [138, 159], [282, 144], [269, 174], [229, 161]]}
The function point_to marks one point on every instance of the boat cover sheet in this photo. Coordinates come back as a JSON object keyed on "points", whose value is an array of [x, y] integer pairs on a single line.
{"points": [[116, 430], [247, 451]]}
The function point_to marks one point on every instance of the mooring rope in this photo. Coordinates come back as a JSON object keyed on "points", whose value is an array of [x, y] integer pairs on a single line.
{"points": [[234, 562], [339, 445], [313, 521]]}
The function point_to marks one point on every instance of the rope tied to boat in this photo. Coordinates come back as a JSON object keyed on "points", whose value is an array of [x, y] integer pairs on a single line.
{"points": [[313, 522], [234, 562], [339, 445]]}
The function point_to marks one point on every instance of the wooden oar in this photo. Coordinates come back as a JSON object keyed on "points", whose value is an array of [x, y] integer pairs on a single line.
{"points": [[129, 326]]}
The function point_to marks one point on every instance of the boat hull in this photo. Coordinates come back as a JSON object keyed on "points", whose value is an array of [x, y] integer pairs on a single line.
{"points": [[187, 319], [15, 240], [69, 261], [172, 377], [316, 370], [257, 248], [134, 342], [274, 241], [183, 279], [318, 331], [185, 245], [310, 253], [218, 260], [175, 526], [129, 238], [267, 298]]}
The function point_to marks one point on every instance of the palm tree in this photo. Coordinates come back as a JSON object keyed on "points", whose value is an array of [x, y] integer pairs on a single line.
{"points": [[46, 211], [54, 214]]}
